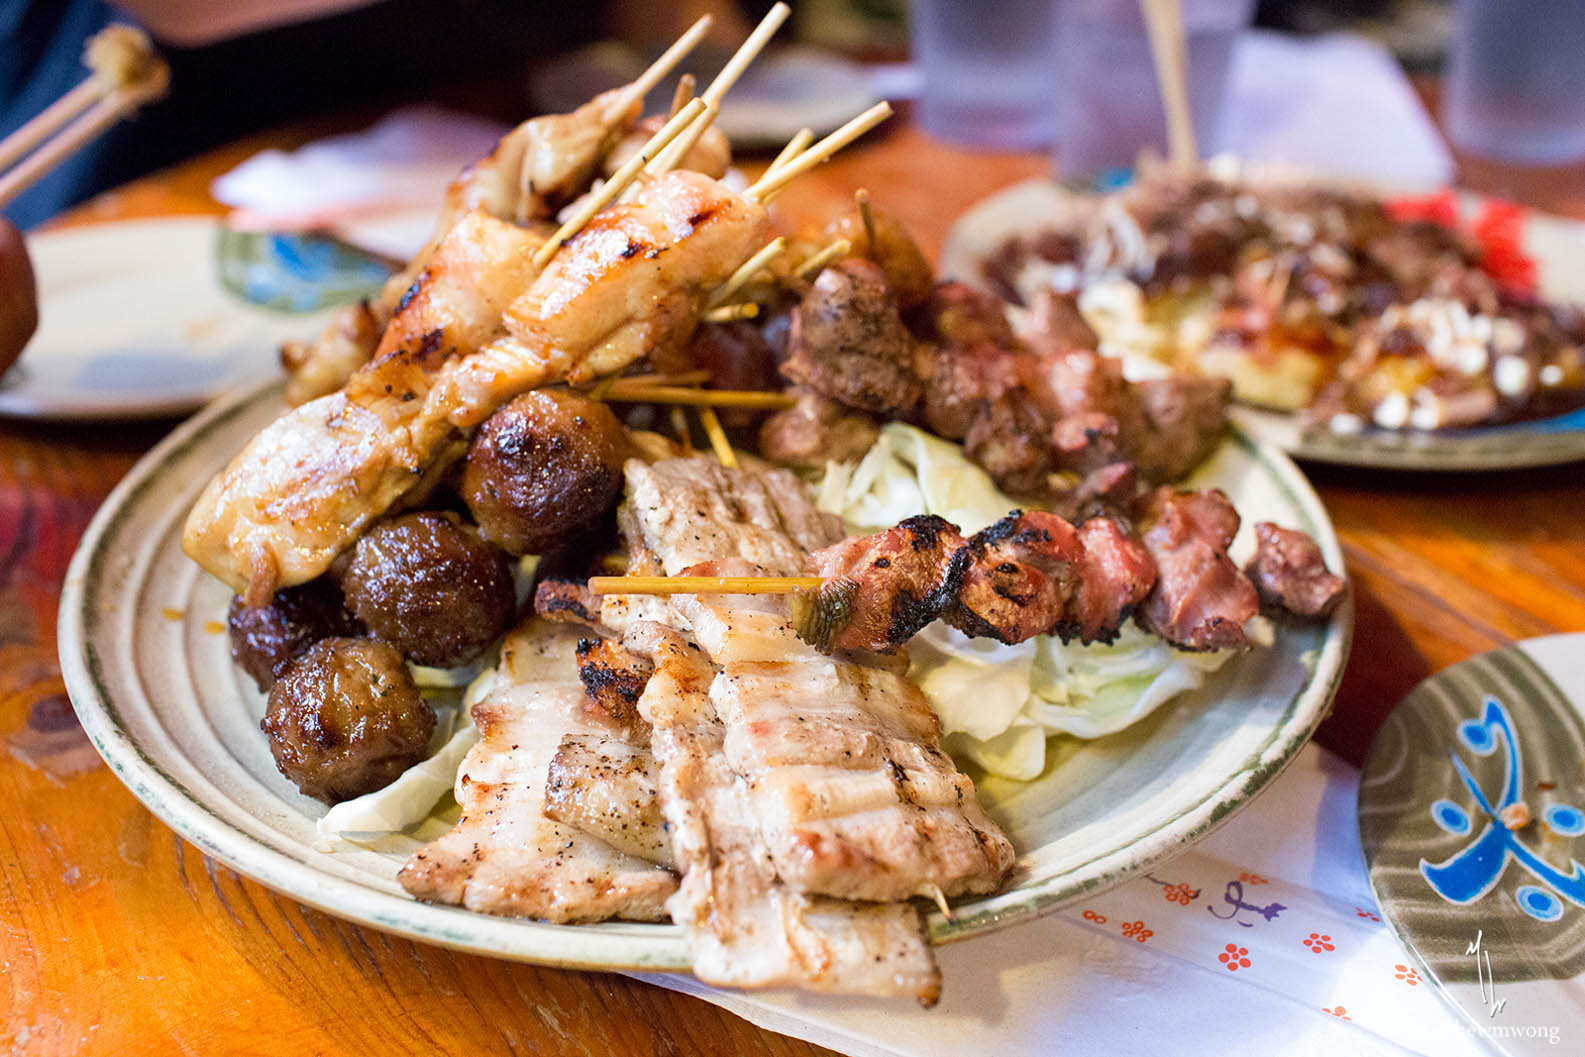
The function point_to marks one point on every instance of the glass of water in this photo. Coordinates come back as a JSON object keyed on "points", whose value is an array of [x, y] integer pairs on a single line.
{"points": [[1108, 101], [987, 70], [1516, 80]]}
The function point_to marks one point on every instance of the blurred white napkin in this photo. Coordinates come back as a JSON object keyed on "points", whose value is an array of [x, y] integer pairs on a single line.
{"points": [[1336, 104], [1145, 968], [380, 188]]}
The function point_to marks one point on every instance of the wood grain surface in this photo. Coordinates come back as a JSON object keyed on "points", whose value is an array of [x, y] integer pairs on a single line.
{"points": [[118, 938]]}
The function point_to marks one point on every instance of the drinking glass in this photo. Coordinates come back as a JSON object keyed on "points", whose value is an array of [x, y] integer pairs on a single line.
{"points": [[987, 70], [1516, 80]]}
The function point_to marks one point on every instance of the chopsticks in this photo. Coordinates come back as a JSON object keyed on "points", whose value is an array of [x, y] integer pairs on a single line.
{"points": [[126, 74]]}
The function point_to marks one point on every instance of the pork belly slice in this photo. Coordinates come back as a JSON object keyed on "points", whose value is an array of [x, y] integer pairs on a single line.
{"points": [[504, 856], [607, 788], [692, 509], [745, 927], [843, 765]]}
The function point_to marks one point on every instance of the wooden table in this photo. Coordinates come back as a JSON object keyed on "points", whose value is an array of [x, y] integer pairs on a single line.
{"points": [[116, 937]]}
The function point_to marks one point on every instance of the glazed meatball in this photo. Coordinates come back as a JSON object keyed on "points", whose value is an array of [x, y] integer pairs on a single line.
{"points": [[265, 639], [345, 719], [544, 467], [429, 586]]}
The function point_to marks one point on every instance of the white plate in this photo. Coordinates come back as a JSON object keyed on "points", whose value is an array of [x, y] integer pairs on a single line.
{"points": [[1556, 243], [145, 658], [135, 323]]}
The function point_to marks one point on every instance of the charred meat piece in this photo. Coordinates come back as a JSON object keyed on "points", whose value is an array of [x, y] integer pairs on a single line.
{"points": [[1115, 573], [848, 342], [567, 600], [958, 381], [614, 678], [430, 587], [1289, 572], [607, 787], [1019, 579], [345, 719], [265, 639], [903, 578], [1200, 600], [543, 469], [815, 430], [1010, 439], [1187, 416]]}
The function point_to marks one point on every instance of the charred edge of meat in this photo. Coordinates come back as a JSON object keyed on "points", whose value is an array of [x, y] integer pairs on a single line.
{"points": [[600, 680], [1004, 530], [563, 594], [910, 612], [1068, 630]]}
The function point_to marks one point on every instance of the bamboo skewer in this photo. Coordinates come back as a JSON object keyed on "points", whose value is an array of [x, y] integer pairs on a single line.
{"points": [[1164, 22], [774, 180], [820, 258], [126, 75], [700, 585], [619, 180], [718, 438], [867, 215], [665, 394], [682, 94], [729, 313], [745, 55], [795, 146], [746, 272], [645, 82]]}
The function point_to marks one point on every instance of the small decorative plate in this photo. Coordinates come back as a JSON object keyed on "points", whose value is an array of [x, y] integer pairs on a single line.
{"points": [[1472, 817], [1557, 244], [146, 659], [150, 318]]}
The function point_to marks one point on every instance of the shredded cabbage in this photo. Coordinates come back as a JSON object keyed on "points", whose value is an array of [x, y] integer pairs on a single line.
{"points": [[998, 704]]}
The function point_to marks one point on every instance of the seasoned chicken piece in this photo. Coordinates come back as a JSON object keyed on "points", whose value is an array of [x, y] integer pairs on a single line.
{"points": [[310, 483], [848, 342], [531, 173], [907, 272], [842, 763], [1289, 572], [606, 787], [745, 928], [711, 154], [1201, 599], [693, 509], [504, 856], [816, 430]]}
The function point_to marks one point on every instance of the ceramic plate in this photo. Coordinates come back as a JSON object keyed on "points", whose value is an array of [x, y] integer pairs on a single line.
{"points": [[150, 318], [1495, 915], [1557, 244], [145, 656]]}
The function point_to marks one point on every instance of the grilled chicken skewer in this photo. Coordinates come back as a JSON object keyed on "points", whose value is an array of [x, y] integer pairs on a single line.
{"points": [[533, 171]]}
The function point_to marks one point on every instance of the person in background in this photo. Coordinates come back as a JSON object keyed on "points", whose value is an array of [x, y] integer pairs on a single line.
{"points": [[19, 310]]}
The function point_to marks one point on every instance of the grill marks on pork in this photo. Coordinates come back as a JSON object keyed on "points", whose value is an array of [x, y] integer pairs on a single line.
{"points": [[745, 927], [505, 856], [608, 788], [310, 483], [1201, 599], [1290, 573], [842, 765]]}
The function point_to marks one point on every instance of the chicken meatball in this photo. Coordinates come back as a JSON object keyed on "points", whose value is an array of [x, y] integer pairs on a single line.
{"points": [[428, 585], [345, 719], [544, 467], [265, 639]]}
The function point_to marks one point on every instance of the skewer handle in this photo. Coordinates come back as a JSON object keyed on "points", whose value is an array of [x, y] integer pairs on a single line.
{"points": [[1164, 22], [698, 585]]}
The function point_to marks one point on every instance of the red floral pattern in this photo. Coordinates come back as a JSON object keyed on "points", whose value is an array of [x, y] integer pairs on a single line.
{"points": [[1099, 919], [1252, 878], [1362, 912], [1407, 975], [1318, 942], [1234, 957], [1337, 1011], [1135, 930], [1180, 893]]}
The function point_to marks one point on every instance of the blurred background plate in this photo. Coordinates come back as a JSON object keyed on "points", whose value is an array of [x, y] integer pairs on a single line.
{"points": [[1556, 243], [151, 318]]}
